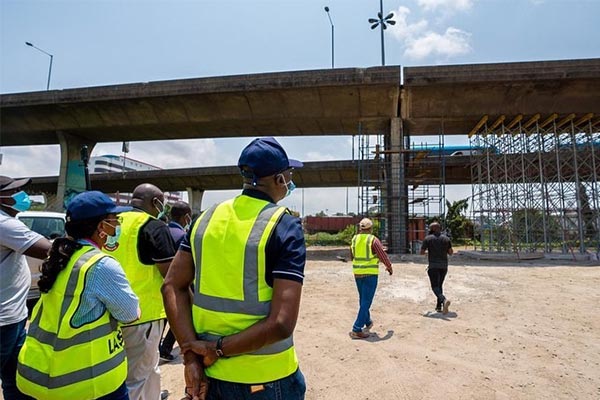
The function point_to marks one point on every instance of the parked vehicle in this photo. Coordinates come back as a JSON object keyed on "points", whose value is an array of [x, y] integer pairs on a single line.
{"points": [[48, 224]]}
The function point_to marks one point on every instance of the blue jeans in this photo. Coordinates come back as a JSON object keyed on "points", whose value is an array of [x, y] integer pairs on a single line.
{"points": [[12, 337], [292, 387], [120, 394], [366, 286]]}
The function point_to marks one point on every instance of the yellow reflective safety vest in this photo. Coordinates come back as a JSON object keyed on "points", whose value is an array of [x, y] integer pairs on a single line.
{"points": [[230, 291], [145, 280], [365, 262], [58, 361]]}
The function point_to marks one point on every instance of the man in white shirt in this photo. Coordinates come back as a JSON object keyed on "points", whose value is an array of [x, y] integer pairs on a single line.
{"points": [[16, 241]]}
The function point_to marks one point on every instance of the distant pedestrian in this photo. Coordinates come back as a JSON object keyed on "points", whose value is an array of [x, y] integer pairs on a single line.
{"points": [[438, 246], [180, 219], [16, 241], [366, 252], [74, 348]]}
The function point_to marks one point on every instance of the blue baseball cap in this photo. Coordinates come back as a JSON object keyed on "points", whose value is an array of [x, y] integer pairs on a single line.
{"points": [[266, 157], [92, 204]]}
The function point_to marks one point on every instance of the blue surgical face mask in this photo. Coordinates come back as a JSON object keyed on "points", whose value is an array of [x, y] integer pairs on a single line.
{"points": [[289, 185], [22, 201], [112, 240]]}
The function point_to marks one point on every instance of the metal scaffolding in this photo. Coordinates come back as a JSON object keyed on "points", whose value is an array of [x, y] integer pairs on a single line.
{"points": [[371, 181], [425, 198], [535, 183], [427, 195]]}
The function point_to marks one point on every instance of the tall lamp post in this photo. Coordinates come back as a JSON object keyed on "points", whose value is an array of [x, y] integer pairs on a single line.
{"points": [[382, 23], [51, 57], [332, 36]]}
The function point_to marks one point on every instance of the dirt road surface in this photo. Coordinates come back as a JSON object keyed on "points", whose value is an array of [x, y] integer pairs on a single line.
{"points": [[516, 330]]}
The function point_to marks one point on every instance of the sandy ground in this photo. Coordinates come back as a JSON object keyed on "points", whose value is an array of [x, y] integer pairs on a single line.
{"points": [[515, 331]]}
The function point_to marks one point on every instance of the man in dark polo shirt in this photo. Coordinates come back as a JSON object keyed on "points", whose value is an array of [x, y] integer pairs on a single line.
{"points": [[245, 257], [438, 247]]}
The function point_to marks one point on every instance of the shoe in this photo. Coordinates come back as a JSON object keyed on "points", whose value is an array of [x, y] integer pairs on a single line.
{"points": [[438, 308], [164, 394], [446, 305], [358, 335], [167, 357], [367, 329]]}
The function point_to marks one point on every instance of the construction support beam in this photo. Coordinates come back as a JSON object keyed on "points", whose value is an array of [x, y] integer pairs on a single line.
{"points": [[72, 175]]}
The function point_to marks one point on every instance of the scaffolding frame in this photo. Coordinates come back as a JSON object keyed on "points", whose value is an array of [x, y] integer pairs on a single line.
{"points": [[535, 184], [376, 173], [370, 179]]}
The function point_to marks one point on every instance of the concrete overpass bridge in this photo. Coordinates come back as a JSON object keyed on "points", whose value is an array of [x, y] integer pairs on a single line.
{"points": [[449, 100]]}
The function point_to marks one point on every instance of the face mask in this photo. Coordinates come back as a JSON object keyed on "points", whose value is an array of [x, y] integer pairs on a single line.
{"points": [[161, 210], [112, 240], [22, 201], [189, 223], [289, 185]]}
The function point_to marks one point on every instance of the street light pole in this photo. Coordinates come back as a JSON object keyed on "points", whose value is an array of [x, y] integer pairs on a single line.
{"points": [[332, 36], [51, 58], [382, 23], [381, 30]]}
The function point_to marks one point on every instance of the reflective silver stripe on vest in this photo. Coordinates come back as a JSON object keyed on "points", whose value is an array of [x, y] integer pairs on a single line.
{"points": [[273, 348], [45, 380], [367, 250], [50, 338], [250, 305]]}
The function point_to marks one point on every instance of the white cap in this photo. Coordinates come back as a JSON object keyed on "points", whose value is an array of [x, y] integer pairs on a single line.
{"points": [[365, 223]]}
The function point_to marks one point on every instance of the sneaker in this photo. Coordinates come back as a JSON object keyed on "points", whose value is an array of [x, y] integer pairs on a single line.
{"points": [[367, 329], [446, 305], [438, 308], [164, 394], [358, 335], [167, 357]]}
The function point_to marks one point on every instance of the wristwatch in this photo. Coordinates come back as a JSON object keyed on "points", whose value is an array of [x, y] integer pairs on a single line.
{"points": [[219, 347]]}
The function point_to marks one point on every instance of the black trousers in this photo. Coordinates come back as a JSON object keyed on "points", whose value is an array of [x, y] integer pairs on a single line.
{"points": [[436, 278]]}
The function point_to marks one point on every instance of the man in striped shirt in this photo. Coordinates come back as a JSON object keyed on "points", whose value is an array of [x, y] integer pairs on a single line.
{"points": [[366, 252]]}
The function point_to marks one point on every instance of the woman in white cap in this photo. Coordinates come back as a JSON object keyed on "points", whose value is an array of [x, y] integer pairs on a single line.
{"points": [[74, 348]]}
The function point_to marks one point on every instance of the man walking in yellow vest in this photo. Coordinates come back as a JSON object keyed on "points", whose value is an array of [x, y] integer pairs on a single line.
{"points": [[145, 251], [246, 260], [367, 251]]}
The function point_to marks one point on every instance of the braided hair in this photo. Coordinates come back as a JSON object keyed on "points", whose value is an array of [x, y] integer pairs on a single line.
{"points": [[63, 248]]}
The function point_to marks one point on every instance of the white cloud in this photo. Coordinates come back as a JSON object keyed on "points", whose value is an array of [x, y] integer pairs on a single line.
{"points": [[403, 30], [449, 5], [420, 42], [169, 153], [453, 42]]}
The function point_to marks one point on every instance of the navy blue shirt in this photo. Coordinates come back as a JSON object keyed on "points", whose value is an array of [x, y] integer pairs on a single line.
{"points": [[177, 232], [286, 251]]}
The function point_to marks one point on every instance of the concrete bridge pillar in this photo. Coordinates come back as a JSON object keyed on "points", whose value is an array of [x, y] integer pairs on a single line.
{"points": [[71, 178], [195, 199], [397, 192]]}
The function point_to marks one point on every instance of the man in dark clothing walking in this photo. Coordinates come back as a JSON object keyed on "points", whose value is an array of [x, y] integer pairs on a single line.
{"points": [[438, 247]]}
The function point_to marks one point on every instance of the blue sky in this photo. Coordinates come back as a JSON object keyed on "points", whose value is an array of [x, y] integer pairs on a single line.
{"points": [[111, 42]]}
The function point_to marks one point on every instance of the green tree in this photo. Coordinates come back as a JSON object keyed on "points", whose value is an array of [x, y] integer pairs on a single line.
{"points": [[456, 221]]}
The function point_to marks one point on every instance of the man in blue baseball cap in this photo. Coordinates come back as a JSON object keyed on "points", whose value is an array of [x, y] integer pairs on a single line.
{"points": [[246, 258]]}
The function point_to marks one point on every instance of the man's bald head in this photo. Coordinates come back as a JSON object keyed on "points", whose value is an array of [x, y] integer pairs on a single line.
{"points": [[148, 198], [435, 227]]}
